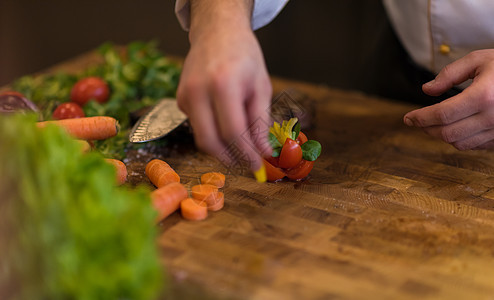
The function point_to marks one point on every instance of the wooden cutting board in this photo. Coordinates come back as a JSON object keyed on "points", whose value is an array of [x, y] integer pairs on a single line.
{"points": [[387, 213]]}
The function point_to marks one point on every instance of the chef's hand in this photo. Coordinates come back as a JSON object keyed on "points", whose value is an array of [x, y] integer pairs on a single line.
{"points": [[224, 87], [466, 120]]}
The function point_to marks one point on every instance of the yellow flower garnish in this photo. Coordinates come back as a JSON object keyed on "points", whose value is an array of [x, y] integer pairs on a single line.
{"points": [[284, 131]]}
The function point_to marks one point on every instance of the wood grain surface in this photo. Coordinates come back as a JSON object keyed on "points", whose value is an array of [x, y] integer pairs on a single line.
{"points": [[387, 213]]}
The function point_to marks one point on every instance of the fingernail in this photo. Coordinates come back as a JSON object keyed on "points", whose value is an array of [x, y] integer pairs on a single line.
{"points": [[408, 122], [430, 83], [260, 174]]}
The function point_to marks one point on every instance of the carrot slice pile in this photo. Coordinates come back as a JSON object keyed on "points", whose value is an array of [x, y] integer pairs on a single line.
{"points": [[167, 199], [219, 202], [214, 178], [89, 128], [160, 173], [120, 168], [193, 209], [205, 192]]}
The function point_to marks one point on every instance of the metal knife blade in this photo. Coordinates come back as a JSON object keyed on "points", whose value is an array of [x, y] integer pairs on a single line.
{"points": [[163, 118]]}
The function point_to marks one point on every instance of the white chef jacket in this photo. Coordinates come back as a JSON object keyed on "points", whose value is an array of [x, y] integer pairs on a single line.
{"points": [[434, 32]]}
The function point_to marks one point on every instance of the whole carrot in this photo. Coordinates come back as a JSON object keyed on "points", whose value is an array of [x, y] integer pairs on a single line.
{"points": [[90, 128], [160, 173], [193, 210], [167, 199], [214, 178], [120, 168]]}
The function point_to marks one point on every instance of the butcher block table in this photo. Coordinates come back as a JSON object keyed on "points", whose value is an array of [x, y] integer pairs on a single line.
{"points": [[387, 213]]}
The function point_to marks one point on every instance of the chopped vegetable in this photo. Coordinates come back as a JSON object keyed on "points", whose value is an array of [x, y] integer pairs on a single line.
{"points": [[205, 192], [120, 169], [160, 173], [67, 231], [219, 202], [214, 178], [193, 209], [90, 88], [293, 154], [166, 199], [90, 128]]}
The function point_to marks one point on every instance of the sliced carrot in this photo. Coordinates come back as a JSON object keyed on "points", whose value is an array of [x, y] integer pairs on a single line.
{"points": [[193, 209], [214, 178], [167, 199], [160, 173], [219, 202], [120, 168], [90, 128], [205, 192]]}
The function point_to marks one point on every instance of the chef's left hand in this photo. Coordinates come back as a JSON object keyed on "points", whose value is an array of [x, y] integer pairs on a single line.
{"points": [[466, 120]]}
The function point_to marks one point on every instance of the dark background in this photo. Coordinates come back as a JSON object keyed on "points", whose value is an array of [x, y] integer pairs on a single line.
{"points": [[345, 44]]}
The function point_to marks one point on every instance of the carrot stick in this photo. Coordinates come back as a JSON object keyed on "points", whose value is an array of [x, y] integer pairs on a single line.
{"points": [[120, 168], [160, 173], [214, 178], [90, 128], [193, 210], [167, 199], [220, 202], [205, 192]]}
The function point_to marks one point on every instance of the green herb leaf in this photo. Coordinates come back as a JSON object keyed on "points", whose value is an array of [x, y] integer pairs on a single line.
{"points": [[276, 152], [311, 150], [273, 141], [296, 131]]}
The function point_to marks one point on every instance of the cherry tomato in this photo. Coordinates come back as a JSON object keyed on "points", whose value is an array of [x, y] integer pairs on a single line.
{"points": [[302, 138], [290, 154], [273, 173], [301, 170], [89, 88], [68, 110]]}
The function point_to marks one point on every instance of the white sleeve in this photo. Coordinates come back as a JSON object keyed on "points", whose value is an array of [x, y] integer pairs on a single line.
{"points": [[264, 12]]}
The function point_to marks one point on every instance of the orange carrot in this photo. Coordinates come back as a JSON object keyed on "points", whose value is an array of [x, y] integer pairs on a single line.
{"points": [[214, 178], [90, 128], [120, 168], [167, 199], [160, 173], [193, 210], [220, 202], [205, 192]]}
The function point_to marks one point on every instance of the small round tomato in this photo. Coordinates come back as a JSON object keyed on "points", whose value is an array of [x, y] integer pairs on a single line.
{"points": [[273, 173], [290, 154], [90, 88], [68, 110], [300, 171], [302, 138]]}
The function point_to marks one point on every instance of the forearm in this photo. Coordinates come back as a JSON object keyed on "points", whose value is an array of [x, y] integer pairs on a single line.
{"points": [[211, 16]]}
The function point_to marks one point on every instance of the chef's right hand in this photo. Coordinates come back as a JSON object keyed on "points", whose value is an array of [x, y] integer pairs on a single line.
{"points": [[224, 87]]}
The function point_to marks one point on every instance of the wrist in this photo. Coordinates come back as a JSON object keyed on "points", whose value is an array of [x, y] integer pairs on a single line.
{"points": [[209, 17]]}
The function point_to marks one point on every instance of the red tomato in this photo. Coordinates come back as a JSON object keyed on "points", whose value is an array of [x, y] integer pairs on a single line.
{"points": [[89, 88], [290, 155], [273, 173], [301, 170], [273, 160], [68, 110], [302, 138]]}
